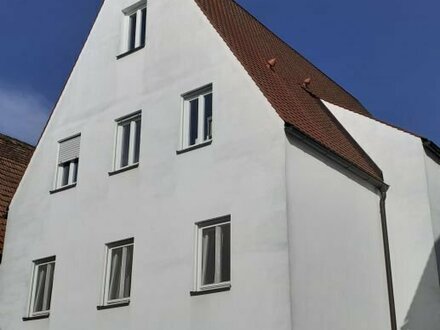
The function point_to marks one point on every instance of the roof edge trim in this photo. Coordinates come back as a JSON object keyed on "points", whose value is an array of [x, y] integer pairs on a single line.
{"points": [[352, 168], [431, 146]]}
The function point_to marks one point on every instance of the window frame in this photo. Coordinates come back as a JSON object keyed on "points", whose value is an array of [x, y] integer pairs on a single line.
{"points": [[36, 264], [198, 253], [140, 10], [185, 117], [105, 301], [73, 167], [131, 119]]}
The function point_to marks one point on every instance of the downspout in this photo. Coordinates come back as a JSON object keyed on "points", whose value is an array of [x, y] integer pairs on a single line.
{"points": [[386, 245]]}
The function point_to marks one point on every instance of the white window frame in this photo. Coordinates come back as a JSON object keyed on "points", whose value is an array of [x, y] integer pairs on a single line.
{"points": [[107, 271], [199, 94], [199, 227], [36, 264], [135, 9], [117, 154], [73, 168]]}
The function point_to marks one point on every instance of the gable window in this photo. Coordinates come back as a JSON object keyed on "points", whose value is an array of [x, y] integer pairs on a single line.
{"points": [[128, 141], [134, 27], [68, 161], [213, 254], [197, 117], [41, 287], [118, 271]]}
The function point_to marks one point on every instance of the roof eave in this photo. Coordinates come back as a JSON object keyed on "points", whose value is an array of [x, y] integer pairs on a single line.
{"points": [[431, 146], [349, 166]]}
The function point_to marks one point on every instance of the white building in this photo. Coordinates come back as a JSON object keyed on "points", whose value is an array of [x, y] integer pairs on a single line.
{"points": [[198, 173]]}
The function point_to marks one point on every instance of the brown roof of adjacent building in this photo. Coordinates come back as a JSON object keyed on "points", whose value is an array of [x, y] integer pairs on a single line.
{"points": [[280, 72], [14, 159]]}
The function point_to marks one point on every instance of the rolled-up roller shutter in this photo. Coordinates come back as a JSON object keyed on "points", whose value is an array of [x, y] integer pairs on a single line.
{"points": [[69, 149]]}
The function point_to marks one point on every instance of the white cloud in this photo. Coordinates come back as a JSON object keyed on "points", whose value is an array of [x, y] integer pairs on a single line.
{"points": [[23, 113]]}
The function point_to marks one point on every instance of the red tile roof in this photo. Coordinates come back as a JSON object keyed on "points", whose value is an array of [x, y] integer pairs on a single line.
{"points": [[299, 106], [14, 158]]}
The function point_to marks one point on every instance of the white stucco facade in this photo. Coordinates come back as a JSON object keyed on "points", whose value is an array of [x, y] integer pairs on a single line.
{"points": [[412, 214], [307, 249], [240, 174], [338, 278]]}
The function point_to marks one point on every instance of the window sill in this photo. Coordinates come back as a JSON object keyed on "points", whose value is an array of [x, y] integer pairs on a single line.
{"points": [[37, 317], [209, 291], [115, 305], [197, 146], [131, 51], [63, 188], [124, 169]]}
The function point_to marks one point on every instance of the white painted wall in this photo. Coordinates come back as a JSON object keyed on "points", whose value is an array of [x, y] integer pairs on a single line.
{"points": [[337, 264], [243, 173], [401, 157]]}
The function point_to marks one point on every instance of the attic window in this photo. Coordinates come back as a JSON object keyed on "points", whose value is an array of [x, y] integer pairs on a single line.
{"points": [[134, 28]]}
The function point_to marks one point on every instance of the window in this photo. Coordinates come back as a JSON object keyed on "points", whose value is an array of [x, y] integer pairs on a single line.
{"points": [[213, 254], [118, 272], [197, 117], [41, 288], [135, 27], [128, 141], [68, 159]]}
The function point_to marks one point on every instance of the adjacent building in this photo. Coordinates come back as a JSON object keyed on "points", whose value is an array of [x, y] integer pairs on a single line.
{"points": [[199, 173], [14, 158]]}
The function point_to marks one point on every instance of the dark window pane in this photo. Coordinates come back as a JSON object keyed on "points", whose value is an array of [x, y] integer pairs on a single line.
{"points": [[132, 33], [125, 144], [39, 289], [193, 121], [128, 267], [226, 253], [75, 171], [115, 274], [49, 291], [144, 26], [208, 256], [137, 142], [208, 117], [65, 174]]}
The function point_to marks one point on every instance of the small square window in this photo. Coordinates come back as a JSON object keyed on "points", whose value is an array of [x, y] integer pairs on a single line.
{"points": [[197, 117], [41, 287], [68, 160], [128, 141], [213, 254], [134, 27], [118, 271]]}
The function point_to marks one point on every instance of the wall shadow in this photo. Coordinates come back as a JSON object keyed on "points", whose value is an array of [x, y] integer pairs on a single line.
{"points": [[424, 312]]}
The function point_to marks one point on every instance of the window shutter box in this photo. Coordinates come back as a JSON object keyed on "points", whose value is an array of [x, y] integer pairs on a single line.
{"points": [[69, 149]]}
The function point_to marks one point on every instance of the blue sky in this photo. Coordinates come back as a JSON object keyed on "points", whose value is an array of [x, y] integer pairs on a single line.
{"points": [[386, 53]]}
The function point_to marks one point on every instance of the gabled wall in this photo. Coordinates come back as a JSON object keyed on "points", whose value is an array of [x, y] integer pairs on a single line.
{"points": [[337, 264], [283, 199], [411, 212], [241, 174]]}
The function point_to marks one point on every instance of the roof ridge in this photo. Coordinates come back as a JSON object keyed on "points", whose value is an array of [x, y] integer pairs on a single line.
{"points": [[15, 140]]}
